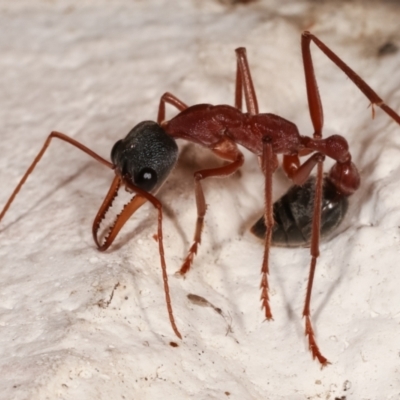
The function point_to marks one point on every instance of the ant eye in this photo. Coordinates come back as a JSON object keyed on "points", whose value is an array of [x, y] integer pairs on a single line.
{"points": [[146, 179]]}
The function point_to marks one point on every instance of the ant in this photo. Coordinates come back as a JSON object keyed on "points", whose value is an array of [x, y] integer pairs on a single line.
{"points": [[145, 157]]}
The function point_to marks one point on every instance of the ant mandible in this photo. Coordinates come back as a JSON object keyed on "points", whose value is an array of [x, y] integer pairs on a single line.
{"points": [[144, 158]]}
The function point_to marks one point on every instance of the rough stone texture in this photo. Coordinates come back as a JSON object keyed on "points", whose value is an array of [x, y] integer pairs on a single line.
{"points": [[93, 70]]}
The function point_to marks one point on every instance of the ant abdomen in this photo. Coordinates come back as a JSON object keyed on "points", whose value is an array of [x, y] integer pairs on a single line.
{"points": [[293, 214]]}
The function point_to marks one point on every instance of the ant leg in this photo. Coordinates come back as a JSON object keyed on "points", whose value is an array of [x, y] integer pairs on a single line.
{"points": [[46, 144], [170, 99], [244, 83], [317, 118], [157, 204], [297, 173], [269, 164], [372, 96], [120, 221], [227, 150], [128, 210]]}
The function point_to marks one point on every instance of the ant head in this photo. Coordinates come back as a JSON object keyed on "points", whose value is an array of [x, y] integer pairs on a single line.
{"points": [[146, 156]]}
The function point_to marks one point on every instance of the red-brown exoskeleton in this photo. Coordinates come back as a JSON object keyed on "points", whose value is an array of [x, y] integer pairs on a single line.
{"points": [[145, 157]]}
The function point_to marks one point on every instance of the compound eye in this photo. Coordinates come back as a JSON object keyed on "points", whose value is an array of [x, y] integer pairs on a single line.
{"points": [[146, 179]]}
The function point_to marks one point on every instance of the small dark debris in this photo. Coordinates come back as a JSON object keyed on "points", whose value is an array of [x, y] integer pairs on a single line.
{"points": [[105, 303], [346, 385], [201, 301], [173, 344], [235, 2], [387, 48], [340, 398], [227, 394]]}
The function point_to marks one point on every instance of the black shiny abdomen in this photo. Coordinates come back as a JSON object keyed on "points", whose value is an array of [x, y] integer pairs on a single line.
{"points": [[293, 214]]}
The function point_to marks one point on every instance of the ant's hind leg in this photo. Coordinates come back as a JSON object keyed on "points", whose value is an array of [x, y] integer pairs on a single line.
{"points": [[244, 83], [368, 92], [317, 119], [227, 150]]}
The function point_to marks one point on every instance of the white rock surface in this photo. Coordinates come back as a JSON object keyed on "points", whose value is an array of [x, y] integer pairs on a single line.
{"points": [[95, 69]]}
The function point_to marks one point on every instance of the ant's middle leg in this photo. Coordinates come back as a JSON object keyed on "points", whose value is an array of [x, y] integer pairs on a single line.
{"points": [[269, 163], [229, 151], [244, 83]]}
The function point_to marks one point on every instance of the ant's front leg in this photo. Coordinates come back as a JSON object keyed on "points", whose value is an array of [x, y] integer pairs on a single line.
{"points": [[170, 99], [64, 138], [229, 151]]}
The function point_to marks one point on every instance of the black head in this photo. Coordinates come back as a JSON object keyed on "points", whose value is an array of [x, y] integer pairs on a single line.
{"points": [[146, 156]]}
